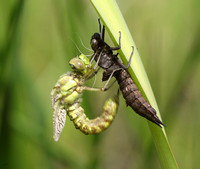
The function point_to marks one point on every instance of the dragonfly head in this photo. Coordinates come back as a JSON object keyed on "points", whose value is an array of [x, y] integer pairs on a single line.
{"points": [[79, 63], [95, 41]]}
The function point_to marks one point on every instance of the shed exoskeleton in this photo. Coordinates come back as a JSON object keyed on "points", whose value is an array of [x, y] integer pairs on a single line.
{"points": [[103, 55]]}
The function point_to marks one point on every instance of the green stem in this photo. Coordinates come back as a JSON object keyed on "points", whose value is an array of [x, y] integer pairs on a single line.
{"points": [[112, 18]]}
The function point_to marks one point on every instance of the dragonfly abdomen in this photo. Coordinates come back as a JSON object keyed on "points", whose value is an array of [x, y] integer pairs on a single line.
{"points": [[134, 98], [97, 125]]}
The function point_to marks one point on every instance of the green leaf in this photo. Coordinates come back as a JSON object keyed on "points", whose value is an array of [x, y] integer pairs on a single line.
{"points": [[112, 18]]}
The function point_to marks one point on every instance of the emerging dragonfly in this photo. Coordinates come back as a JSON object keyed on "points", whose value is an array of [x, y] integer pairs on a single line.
{"points": [[103, 55], [66, 98]]}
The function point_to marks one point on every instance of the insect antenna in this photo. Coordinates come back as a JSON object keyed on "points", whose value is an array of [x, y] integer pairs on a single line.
{"points": [[76, 46], [79, 48], [83, 43]]}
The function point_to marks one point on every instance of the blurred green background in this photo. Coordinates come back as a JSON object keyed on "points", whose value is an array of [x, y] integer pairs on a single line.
{"points": [[36, 43]]}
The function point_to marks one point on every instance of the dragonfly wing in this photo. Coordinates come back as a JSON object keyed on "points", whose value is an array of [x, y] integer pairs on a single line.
{"points": [[59, 115]]}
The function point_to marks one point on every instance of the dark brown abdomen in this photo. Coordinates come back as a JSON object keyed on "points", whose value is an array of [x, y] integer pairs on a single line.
{"points": [[134, 98]]}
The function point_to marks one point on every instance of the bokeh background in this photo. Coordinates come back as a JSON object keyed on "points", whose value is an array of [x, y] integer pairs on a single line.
{"points": [[37, 40]]}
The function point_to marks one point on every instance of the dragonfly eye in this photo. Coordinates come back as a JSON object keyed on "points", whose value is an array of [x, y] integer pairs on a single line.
{"points": [[95, 41], [77, 64], [94, 44]]}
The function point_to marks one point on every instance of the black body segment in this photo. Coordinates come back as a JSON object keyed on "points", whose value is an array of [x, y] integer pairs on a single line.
{"points": [[103, 55], [134, 98]]}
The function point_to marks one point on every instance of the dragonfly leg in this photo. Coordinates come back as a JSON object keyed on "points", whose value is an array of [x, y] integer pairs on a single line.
{"points": [[97, 70], [118, 47], [105, 86], [99, 26], [90, 89], [102, 34], [92, 58], [99, 57], [110, 85], [97, 62], [121, 64], [97, 89]]}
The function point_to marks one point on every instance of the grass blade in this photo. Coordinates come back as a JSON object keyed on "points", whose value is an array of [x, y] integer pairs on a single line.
{"points": [[112, 18]]}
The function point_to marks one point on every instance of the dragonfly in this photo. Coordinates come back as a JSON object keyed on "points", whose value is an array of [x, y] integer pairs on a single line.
{"points": [[103, 55], [66, 100]]}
